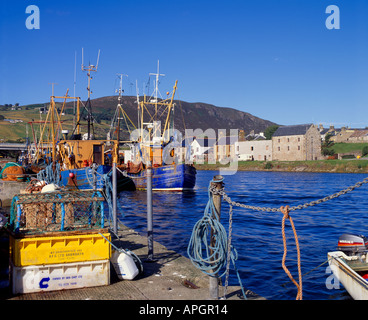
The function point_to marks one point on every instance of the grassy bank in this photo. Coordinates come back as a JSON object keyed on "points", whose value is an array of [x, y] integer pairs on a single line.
{"points": [[341, 166], [348, 147]]}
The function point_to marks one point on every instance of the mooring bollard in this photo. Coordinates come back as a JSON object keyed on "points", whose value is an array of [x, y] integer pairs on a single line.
{"points": [[214, 281], [149, 214]]}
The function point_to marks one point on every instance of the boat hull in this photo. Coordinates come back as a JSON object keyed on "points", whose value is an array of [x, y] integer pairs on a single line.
{"points": [[354, 283], [83, 179], [180, 177]]}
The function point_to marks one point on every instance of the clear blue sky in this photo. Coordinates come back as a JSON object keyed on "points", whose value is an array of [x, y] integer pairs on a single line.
{"points": [[274, 59]]}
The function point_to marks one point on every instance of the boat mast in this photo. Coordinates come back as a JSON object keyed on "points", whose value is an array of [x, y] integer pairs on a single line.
{"points": [[137, 90], [170, 106], [52, 107], [89, 69], [155, 92], [120, 91]]}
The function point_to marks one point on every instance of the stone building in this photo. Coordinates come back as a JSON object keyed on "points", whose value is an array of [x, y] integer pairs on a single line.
{"points": [[359, 136], [296, 143], [342, 135]]}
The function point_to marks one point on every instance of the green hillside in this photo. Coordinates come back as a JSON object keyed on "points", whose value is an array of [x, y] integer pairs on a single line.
{"points": [[17, 132], [187, 115]]}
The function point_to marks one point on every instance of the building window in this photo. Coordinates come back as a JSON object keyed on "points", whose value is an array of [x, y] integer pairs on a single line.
{"points": [[288, 147], [251, 148], [298, 147], [298, 139], [278, 140], [288, 141], [278, 148]]}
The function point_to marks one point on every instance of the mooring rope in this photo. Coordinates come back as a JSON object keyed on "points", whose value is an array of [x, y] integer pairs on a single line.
{"points": [[285, 211], [211, 256]]}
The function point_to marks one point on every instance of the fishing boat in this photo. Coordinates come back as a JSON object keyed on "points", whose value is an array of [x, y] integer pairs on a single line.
{"points": [[177, 177], [349, 264], [155, 145], [80, 161], [85, 164]]}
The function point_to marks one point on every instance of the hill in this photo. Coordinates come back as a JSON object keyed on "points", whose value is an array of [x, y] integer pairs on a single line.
{"points": [[187, 115]]}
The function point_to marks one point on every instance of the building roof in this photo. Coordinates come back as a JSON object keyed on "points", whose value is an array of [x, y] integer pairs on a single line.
{"points": [[324, 131], [359, 133], [294, 130]]}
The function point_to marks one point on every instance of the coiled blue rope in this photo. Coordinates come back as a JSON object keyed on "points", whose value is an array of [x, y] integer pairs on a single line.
{"points": [[211, 259]]}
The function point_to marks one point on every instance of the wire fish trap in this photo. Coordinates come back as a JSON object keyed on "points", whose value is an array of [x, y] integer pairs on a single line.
{"points": [[57, 211]]}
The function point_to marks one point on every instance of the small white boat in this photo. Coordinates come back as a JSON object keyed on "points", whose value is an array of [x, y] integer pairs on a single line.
{"points": [[350, 265]]}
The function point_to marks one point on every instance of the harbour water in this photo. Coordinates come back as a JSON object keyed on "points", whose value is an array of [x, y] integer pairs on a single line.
{"points": [[257, 235]]}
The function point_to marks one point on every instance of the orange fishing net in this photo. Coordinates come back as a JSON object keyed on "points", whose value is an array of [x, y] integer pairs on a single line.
{"points": [[12, 173]]}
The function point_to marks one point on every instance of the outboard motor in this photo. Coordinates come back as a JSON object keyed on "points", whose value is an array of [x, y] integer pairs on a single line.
{"points": [[352, 244]]}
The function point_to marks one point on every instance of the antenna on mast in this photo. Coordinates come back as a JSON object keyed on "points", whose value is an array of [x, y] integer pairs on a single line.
{"points": [[120, 90], [98, 58], [53, 84], [137, 91], [156, 92], [89, 69]]}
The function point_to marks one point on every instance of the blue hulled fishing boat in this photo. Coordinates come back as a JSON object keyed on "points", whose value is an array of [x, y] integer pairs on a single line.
{"points": [[180, 177], [158, 146]]}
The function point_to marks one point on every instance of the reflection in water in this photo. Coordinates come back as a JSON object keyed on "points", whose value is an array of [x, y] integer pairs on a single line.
{"points": [[171, 211]]}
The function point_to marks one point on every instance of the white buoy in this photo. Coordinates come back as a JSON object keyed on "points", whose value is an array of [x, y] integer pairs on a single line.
{"points": [[124, 265], [49, 188]]}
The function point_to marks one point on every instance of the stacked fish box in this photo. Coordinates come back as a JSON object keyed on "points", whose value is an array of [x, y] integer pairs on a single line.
{"points": [[58, 241]]}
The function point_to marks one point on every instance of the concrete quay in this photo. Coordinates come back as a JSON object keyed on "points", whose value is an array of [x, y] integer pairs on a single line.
{"points": [[170, 276], [8, 189]]}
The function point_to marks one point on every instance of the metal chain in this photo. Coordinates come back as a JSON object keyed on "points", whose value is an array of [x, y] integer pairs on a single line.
{"points": [[302, 206]]}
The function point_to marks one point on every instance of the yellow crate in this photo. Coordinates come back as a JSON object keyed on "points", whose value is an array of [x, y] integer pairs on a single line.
{"points": [[59, 249]]}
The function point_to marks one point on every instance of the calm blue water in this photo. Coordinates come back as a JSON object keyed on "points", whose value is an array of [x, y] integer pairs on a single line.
{"points": [[256, 235]]}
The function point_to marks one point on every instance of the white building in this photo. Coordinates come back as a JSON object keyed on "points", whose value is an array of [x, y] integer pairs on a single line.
{"points": [[258, 150], [203, 149]]}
